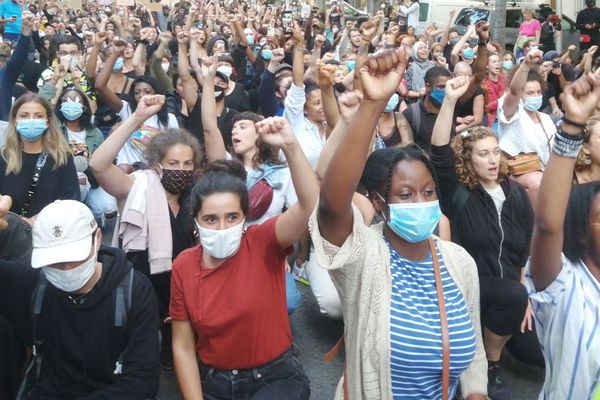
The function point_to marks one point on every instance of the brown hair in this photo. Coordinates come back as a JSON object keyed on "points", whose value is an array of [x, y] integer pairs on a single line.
{"points": [[159, 145], [463, 149], [582, 157]]}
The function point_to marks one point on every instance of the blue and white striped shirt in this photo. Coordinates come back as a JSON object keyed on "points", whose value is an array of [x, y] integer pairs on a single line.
{"points": [[415, 330], [567, 321]]}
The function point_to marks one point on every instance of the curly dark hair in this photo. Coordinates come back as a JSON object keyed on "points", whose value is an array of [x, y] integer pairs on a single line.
{"points": [[411, 152], [577, 221], [157, 147], [463, 150]]}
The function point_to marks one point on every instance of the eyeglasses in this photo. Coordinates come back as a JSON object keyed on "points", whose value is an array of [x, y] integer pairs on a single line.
{"points": [[76, 99]]}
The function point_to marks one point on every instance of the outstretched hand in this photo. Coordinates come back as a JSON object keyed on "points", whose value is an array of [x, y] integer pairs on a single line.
{"points": [[149, 106], [381, 74], [276, 131], [348, 103], [325, 74]]}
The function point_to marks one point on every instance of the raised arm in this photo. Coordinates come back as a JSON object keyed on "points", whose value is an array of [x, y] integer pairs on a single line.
{"points": [[190, 93], [298, 63], [455, 88], [277, 132], [109, 176], [460, 44], [579, 101], [213, 140], [380, 76], [330, 107], [515, 91], [446, 33], [104, 92]]}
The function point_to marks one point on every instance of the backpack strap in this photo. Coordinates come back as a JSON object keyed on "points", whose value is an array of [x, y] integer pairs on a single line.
{"points": [[122, 295], [415, 116], [35, 366], [459, 199]]}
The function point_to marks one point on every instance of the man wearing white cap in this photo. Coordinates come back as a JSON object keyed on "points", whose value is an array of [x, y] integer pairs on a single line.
{"points": [[95, 320]]}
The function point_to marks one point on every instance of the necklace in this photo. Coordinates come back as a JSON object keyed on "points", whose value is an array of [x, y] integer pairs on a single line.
{"points": [[81, 298]]}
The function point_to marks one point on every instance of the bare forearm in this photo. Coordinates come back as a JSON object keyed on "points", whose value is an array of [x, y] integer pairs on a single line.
{"points": [[298, 65], [443, 123]]}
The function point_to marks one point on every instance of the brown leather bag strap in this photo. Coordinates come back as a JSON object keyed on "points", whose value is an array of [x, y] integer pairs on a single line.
{"points": [[443, 322], [330, 355]]}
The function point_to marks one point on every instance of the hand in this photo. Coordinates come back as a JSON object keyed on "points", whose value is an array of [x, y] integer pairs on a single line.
{"points": [[298, 35], [165, 37], [483, 31], [456, 87], [65, 61], [471, 29], [557, 113], [452, 12], [76, 75], [209, 68], [325, 74], [319, 41], [580, 98], [5, 205], [183, 38], [27, 20], [572, 47], [348, 103], [100, 37], [276, 131], [533, 58], [528, 319], [592, 50], [381, 74], [368, 30], [277, 56], [149, 106], [59, 72], [119, 45]]}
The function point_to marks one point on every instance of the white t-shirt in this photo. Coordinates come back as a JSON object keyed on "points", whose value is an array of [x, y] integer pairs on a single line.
{"points": [[77, 137], [497, 194], [567, 321], [282, 197], [520, 134], [133, 150]]}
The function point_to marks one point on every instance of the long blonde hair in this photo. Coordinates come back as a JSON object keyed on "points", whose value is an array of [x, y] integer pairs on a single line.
{"points": [[53, 140]]}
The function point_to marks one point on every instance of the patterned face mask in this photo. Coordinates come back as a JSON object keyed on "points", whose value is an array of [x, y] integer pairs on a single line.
{"points": [[176, 181]]}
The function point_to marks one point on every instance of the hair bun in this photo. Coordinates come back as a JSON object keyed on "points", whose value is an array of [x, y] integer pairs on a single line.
{"points": [[231, 167]]}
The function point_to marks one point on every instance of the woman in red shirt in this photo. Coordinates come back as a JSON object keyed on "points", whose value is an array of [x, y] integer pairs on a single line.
{"points": [[494, 86], [228, 301]]}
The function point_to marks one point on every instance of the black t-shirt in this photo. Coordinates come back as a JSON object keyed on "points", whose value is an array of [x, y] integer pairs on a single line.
{"points": [[238, 99], [421, 122], [54, 184], [466, 108], [224, 122]]}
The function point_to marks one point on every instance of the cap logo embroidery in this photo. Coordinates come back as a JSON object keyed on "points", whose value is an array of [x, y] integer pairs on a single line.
{"points": [[57, 232]]}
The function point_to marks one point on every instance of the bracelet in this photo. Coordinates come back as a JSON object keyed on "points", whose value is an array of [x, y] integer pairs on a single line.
{"points": [[566, 145], [482, 43], [143, 41], [573, 123]]}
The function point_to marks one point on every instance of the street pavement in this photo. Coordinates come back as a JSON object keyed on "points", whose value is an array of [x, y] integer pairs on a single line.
{"points": [[315, 335]]}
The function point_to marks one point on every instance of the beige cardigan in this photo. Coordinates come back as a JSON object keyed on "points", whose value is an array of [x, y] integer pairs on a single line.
{"points": [[360, 271]]}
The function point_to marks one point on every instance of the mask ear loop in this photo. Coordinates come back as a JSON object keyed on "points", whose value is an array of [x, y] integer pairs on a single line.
{"points": [[382, 212]]}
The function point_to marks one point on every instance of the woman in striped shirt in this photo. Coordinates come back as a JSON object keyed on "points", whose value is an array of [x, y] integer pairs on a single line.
{"points": [[563, 274], [385, 273]]}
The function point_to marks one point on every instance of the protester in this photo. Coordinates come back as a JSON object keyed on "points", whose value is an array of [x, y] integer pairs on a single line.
{"points": [[562, 274], [589, 26], [95, 318]]}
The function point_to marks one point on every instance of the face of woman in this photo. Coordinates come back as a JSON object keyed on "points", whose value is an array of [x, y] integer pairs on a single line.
{"points": [[201, 37], [243, 136], [179, 156], [423, 52], [142, 89], [410, 30], [494, 64], [485, 159], [411, 183], [71, 95], [220, 211], [313, 108], [532, 89], [31, 110], [129, 50], [338, 75]]}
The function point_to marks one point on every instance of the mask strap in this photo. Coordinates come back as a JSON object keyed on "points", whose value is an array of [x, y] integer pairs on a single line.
{"points": [[384, 202]]}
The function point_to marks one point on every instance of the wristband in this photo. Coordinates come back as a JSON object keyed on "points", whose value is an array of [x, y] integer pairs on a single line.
{"points": [[573, 123], [482, 43], [566, 145], [143, 41]]}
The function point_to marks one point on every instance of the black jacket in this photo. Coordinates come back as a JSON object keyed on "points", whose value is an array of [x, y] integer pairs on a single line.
{"points": [[499, 250], [81, 345]]}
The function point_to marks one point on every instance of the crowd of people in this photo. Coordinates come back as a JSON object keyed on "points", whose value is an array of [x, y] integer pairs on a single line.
{"points": [[438, 192]]}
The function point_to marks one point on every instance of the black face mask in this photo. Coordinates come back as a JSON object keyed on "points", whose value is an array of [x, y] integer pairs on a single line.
{"points": [[219, 93]]}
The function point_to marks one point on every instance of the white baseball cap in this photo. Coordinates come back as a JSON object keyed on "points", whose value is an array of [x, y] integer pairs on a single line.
{"points": [[62, 232]]}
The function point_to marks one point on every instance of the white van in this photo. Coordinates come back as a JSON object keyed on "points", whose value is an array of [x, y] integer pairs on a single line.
{"points": [[438, 11]]}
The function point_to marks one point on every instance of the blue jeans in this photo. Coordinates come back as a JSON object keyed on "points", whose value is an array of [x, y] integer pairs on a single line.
{"points": [[280, 379]]}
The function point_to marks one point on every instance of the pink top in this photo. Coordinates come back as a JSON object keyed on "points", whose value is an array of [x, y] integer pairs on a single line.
{"points": [[530, 28]]}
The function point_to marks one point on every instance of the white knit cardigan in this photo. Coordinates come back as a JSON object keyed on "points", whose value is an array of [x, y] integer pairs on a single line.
{"points": [[360, 270]]}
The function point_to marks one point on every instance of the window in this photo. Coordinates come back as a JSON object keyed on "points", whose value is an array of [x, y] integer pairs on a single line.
{"points": [[423, 10], [513, 18], [471, 16]]}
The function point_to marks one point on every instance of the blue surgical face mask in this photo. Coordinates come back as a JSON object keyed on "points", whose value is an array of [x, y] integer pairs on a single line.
{"points": [[350, 64], [414, 222], [507, 65], [31, 129], [266, 54], [72, 110], [533, 103], [437, 96], [468, 54], [118, 65], [392, 103], [250, 39]]}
